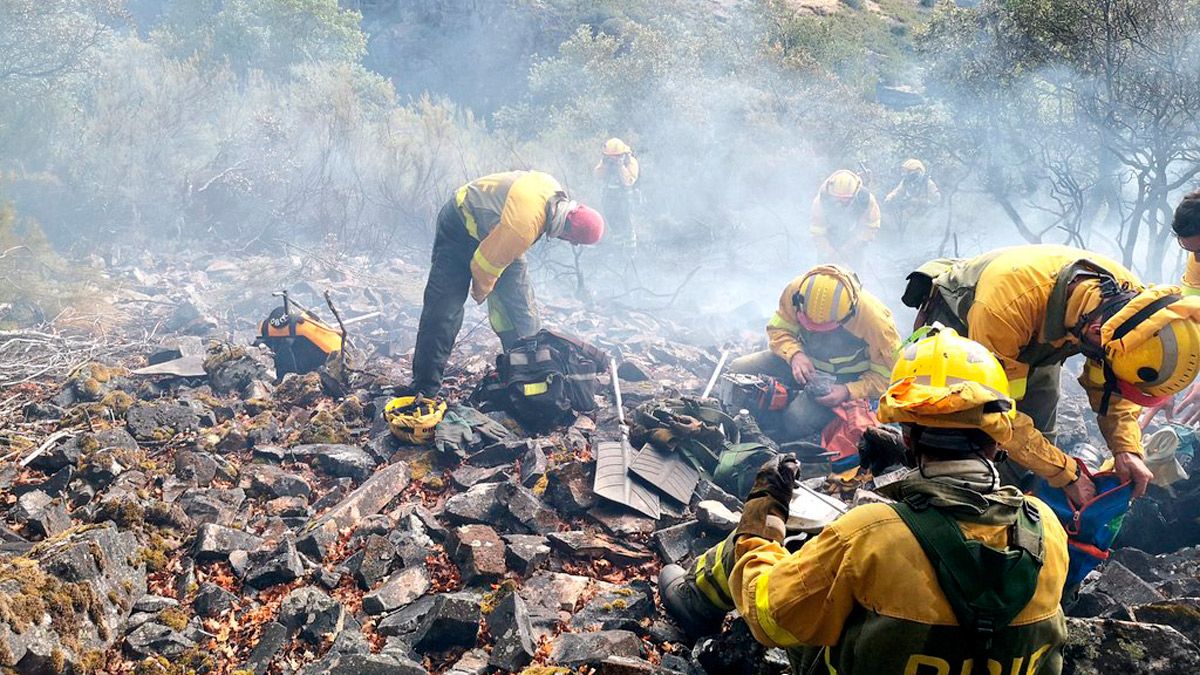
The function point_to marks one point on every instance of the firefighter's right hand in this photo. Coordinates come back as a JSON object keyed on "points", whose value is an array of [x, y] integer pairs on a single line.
{"points": [[1082, 491], [1187, 410], [802, 368]]}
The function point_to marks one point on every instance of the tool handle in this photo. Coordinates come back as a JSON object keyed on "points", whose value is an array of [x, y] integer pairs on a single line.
{"points": [[716, 373]]}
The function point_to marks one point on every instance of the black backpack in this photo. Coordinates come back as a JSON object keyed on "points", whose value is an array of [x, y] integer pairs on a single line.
{"points": [[544, 379]]}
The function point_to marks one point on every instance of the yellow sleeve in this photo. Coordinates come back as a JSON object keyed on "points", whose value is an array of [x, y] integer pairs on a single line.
{"points": [[1028, 447], [870, 220], [817, 226], [894, 193], [874, 323], [803, 598], [935, 195], [1191, 276], [521, 223], [1120, 426], [782, 328], [630, 172], [598, 172]]}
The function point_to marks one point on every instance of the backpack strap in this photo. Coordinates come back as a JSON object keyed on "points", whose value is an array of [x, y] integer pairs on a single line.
{"points": [[985, 587]]}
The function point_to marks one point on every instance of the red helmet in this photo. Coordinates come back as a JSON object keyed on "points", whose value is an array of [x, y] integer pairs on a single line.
{"points": [[585, 225]]}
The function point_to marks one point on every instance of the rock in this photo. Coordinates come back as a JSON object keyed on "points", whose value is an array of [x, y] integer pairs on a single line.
{"points": [[582, 544], [585, 649], [467, 477], [379, 555], [549, 593], [1114, 593], [406, 620], [336, 663], [569, 488], [526, 552], [512, 634], [502, 453], [311, 611], [161, 421], [621, 521], [287, 507], [154, 639], [677, 543], [278, 566], [478, 551], [452, 621], [1182, 614], [214, 542], [399, 590], [530, 512], [154, 603], [274, 637], [68, 452], [622, 608], [368, 499], [198, 467], [1096, 646], [42, 515], [315, 543], [217, 506], [211, 600], [483, 503], [735, 652], [474, 662], [340, 461], [533, 466], [235, 375], [716, 517], [272, 481]]}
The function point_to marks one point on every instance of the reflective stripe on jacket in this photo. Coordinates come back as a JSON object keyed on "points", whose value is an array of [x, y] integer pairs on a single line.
{"points": [[865, 589], [861, 353], [1007, 301], [1191, 276], [506, 212]]}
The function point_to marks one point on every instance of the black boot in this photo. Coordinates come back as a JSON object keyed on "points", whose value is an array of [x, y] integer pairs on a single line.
{"points": [[685, 602]]}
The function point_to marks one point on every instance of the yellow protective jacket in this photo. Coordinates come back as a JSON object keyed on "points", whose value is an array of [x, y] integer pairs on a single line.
{"points": [[1008, 314], [506, 213], [625, 174], [865, 589], [844, 225], [1191, 276], [860, 353]]}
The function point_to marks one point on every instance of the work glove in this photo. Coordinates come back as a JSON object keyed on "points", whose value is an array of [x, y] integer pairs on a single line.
{"points": [[881, 448], [766, 511]]}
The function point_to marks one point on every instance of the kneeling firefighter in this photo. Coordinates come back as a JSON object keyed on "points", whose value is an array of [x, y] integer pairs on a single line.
{"points": [[1035, 306], [961, 575], [826, 326], [483, 232]]}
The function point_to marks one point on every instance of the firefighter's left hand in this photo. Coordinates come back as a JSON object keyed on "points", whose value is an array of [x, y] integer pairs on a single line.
{"points": [[1131, 467], [836, 396]]}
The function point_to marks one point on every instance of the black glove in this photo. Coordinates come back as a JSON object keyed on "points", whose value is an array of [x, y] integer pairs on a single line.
{"points": [[881, 448], [766, 511]]}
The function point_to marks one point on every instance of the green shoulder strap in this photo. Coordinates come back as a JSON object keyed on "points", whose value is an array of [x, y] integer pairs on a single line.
{"points": [[985, 587]]}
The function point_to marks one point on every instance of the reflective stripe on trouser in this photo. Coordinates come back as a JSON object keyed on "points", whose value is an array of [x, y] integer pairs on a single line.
{"points": [[711, 573], [445, 293], [512, 310]]}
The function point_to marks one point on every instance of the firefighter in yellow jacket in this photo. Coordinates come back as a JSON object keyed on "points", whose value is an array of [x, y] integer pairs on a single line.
{"points": [[1186, 227], [1034, 307], [845, 217], [618, 172], [483, 232], [826, 325], [961, 575]]}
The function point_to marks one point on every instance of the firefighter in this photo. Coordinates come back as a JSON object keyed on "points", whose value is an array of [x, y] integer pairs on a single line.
{"points": [[483, 232], [962, 575], [1186, 226], [914, 196], [827, 326], [618, 174], [1035, 306], [845, 217]]}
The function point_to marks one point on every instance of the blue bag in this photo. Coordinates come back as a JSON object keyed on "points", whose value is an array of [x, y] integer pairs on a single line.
{"points": [[1092, 527]]}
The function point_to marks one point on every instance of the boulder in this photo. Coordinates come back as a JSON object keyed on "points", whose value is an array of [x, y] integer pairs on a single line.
{"points": [[1099, 646], [399, 590], [214, 542], [453, 621], [512, 634], [588, 649], [313, 613], [277, 566], [478, 551]]}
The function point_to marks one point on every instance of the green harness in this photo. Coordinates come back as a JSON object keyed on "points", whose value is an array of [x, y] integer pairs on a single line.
{"points": [[986, 587]]}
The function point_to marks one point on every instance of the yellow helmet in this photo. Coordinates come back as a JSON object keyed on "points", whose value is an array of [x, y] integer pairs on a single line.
{"points": [[913, 166], [1152, 344], [843, 185], [826, 297], [413, 419], [944, 381], [615, 147]]}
